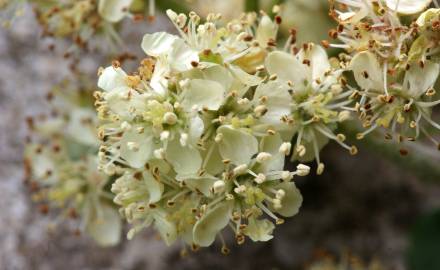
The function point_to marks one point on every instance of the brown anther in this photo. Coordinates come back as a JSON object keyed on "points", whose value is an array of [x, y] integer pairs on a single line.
{"points": [[44, 209], [194, 247], [194, 64], [403, 152], [30, 122], [225, 250], [325, 44], [116, 64], [72, 213], [333, 34], [365, 74], [137, 176]]}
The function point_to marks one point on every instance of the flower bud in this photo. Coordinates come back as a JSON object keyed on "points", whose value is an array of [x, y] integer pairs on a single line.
{"points": [[219, 186], [260, 178], [263, 157], [240, 169], [302, 170], [170, 118], [285, 148]]}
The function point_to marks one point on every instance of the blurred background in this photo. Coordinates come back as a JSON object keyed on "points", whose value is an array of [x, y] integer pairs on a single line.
{"points": [[377, 207]]}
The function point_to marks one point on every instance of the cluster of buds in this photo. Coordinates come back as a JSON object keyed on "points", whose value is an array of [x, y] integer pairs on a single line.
{"points": [[394, 64], [61, 165], [200, 133]]}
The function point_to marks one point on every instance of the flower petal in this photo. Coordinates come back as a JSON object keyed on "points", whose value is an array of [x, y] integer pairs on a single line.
{"points": [[421, 79], [196, 128], [114, 10], [367, 62], [237, 145], [203, 94], [166, 228], [201, 184], [259, 230], [278, 102], [155, 188], [106, 229], [291, 202], [266, 31], [158, 43], [286, 66], [271, 144], [186, 160], [137, 159], [82, 126], [207, 227], [182, 56], [408, 7], [319, 63], [244, 77], [112, 78]]}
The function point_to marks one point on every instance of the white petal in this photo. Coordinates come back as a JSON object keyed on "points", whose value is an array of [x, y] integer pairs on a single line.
{"points": [[408, 7], [207, 227], [219, 74], [111, 78], [155, 188], [214, 165], [259, 230], [271, 144], [114, 10], [158, 82], [80, 130], [421, 79], [244, 77], [367, 62], [196, 128], [137, 159], [158, 43], [181, 56], [237, 145], [203, 94], [266, 31], [427, 16], [278, 102], [185, 160], [319, 63], [202, 184], [165, 227], [106, 229], [122, 106], [286, 67], [292, 200]]}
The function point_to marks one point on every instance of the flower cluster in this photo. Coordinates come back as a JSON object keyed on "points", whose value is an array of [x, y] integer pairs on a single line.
{"points": [[393, 63], [201, 131], [61, 164], [196, 140]]}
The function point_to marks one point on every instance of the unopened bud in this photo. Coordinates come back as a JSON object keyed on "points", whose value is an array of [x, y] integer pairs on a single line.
{"points": [[302, 170]]}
